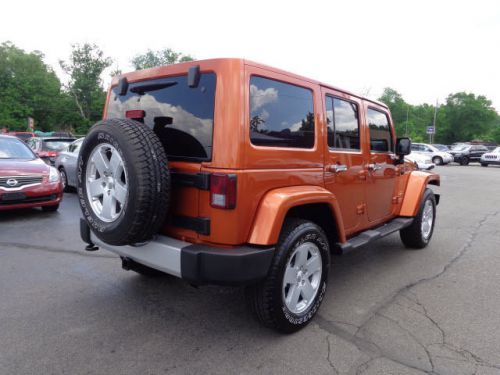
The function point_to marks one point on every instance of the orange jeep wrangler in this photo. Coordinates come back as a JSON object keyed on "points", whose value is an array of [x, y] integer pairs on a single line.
{"points": [[230, 172]]}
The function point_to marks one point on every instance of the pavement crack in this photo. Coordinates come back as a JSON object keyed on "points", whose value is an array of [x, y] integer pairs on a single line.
{"points": [[407, 288], [328, 356]]}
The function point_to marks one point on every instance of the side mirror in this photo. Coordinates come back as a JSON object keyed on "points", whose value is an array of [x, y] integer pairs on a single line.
{"points": [[403, 146]]}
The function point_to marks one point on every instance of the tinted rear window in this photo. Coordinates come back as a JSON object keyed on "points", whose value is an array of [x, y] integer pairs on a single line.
{"points": [[181, 116], [281, 114]]}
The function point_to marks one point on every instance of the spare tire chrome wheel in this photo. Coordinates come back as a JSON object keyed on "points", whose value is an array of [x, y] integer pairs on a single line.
{"points": [[106, 182], [123, 182]]}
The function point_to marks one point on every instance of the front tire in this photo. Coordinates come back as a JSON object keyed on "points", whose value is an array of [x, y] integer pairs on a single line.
{"points": [[64, 179], [292, 293], [52, 208], [484, 164], [419, 233]]}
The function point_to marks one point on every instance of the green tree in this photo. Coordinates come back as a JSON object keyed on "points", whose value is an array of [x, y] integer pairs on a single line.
{"points": [[466, 117], [85, 67], [28, 88], [151, 58]]}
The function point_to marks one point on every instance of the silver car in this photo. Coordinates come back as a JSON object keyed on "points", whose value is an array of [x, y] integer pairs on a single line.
{"points": [[66, 164]]}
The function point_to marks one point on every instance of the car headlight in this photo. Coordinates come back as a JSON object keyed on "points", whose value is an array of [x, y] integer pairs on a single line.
{"points": [[54, 175]]}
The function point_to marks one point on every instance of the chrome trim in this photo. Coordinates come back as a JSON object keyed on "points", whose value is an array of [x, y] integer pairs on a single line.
{"points": [[20, 187], [163, 253]]}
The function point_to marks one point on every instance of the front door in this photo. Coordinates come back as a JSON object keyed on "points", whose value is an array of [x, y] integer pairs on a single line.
{"points": [[381, 179], [344, 174]]}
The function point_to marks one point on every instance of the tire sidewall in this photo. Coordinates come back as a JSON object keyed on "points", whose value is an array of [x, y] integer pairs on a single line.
{"points": [[308, 232], [104, 134], [64, 178], [428, 195]]}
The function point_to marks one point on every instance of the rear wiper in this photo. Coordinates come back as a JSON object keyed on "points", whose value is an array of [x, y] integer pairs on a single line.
{"points": [[141, 89]]}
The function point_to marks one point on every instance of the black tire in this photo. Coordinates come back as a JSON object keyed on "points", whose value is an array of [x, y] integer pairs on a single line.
{"points": [[64, 179], [265, 298], [438, 160], [145, 164], [413, 236], [484, 164], [52, 208], [464, 161]]}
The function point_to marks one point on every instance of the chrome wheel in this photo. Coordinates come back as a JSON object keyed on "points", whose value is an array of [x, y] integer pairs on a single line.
{"points": [[302, 277], [427, 219], [106, 182]]}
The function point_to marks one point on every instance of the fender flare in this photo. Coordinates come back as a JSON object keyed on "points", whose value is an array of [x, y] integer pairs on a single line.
{"points": [[275, 205], [415, 187]]}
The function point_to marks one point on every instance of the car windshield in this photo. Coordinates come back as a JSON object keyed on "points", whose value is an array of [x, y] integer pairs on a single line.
{"points": [[441, 147], [55, 145], [12, 148], [24, 136], [496, 151], [460, 147]]}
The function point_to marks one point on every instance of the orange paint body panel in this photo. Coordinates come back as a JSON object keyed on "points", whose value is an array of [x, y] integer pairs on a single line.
{"points": [[272, 180]]}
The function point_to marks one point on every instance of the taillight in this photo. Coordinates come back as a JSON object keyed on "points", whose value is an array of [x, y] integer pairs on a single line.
{"points": [[223, 190], [52, 154]]}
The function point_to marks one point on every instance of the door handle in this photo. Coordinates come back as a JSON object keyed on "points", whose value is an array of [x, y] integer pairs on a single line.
{"points": [[336, 168], [374, 167]]}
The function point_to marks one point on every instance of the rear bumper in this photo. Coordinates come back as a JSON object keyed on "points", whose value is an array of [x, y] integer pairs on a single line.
{"points": [[198, 264]]}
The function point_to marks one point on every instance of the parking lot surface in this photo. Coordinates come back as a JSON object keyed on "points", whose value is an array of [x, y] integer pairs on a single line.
{"points": [[387, 310]]}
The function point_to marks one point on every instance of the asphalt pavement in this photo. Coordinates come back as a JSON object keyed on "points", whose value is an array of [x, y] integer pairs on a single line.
{"points": [[387, 310]]}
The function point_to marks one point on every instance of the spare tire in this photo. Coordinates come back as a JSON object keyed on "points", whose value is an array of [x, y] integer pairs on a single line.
{"points": [[123, 181]]}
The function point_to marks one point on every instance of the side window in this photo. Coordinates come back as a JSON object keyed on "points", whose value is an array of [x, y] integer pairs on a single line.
{"points": [[342, 124], [281, 114], [414, 147], [380, 131]]}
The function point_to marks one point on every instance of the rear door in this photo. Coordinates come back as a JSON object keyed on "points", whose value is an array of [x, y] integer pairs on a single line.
{"points": [[381, 179], [344, 174], [183, 119]]}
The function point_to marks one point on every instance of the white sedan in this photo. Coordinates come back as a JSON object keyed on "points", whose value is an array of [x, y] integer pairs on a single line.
{"points": [[423, 162], [437, 157]]}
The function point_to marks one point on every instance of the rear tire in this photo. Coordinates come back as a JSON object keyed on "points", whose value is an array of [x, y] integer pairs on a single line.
{"points": [[419, 233], [123, 181], [292, 293], [437, 160], [464, 161]]}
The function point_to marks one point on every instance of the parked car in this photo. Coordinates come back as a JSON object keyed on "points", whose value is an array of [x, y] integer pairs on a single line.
{"points": [[66, 164], [24, 136], [465, 153], [47, 148], [422, 161], [291, 171], [492, 157], [438, 157], [25, 180]]}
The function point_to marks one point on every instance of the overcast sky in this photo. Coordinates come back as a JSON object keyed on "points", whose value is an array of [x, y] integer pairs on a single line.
{"points": [[423, 49]]}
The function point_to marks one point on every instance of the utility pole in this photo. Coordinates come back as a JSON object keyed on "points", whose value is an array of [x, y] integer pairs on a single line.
{"points": [[434, 122]]}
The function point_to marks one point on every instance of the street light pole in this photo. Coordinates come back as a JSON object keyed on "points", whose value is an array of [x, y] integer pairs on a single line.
{"points": [[434, 122]]}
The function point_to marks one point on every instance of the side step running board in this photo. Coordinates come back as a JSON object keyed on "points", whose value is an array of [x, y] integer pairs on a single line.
{"points": [[374, 234]]}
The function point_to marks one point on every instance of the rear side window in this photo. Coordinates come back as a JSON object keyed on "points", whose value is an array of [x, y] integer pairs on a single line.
{"points": [[342, 124], [380, 131], [181, 116], [281, 114]]}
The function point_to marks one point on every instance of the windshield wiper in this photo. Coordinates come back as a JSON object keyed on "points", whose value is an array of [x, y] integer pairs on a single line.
{"points": [[141, 89]]}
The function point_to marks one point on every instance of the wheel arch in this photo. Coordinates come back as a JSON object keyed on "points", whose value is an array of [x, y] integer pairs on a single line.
{"points": [[415, 188], [313, 203]]}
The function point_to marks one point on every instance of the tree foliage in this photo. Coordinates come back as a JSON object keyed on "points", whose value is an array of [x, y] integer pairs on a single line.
{"points": [[151, 58], [28, 88], [84, 68], [464, 117]]}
